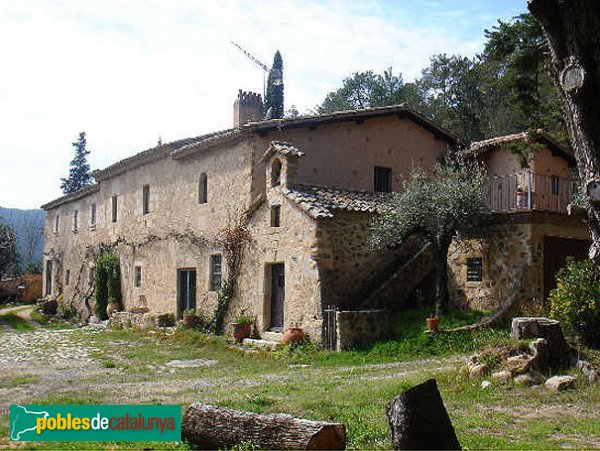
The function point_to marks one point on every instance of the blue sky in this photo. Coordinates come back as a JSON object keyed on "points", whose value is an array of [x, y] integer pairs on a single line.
{"points": [[129, 71]]}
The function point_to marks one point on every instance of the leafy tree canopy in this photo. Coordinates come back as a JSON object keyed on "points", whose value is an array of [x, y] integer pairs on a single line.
{"points": [[9, 257], [274, 95], [79, 171], [504, 90], [437, 207]]}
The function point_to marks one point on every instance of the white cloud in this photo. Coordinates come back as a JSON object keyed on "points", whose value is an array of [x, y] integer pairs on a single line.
{"points": [[127, 72]]}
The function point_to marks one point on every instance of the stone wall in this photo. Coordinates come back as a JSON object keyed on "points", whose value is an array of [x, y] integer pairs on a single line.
{"points": [[361, 327], [511, 250], [141, 321]]}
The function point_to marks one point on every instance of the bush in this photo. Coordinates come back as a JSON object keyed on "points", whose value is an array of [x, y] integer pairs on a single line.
{"points": [[166, 320], [576, 300]]}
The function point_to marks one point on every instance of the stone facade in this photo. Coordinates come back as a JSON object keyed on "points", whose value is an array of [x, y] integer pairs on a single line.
{"points": [[511, 249], [304, 188], [361, 327], [176, 228]]}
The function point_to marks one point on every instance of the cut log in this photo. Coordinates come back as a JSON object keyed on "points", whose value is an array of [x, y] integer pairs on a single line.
{"points": [[418, 419], [213, 427], [559, 351]]}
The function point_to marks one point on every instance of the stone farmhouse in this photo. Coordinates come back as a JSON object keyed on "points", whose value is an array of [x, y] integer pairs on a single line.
{"points": [[307, 189]]}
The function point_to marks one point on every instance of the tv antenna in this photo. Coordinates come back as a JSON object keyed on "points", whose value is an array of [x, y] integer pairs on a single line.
{"points": [[256, 61]]}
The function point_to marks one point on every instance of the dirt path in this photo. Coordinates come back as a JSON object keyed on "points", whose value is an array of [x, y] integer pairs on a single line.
{"points": [[22, 311]]}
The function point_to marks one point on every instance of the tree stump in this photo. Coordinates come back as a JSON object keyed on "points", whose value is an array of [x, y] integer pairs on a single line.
{"points": [[418, 419], [559, 351], [212, 427]]}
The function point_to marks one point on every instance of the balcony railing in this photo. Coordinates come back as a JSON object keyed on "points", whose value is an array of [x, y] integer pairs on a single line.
{"points": [[529, 191]]}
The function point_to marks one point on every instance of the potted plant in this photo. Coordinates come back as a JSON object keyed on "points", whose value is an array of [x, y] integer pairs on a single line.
{"points": [[433, 322], [112, 306], [293, 334], [189, 318], [242, 326]]}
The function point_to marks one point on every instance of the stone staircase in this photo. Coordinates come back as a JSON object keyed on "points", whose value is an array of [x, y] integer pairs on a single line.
{"points": [[395, 290]]}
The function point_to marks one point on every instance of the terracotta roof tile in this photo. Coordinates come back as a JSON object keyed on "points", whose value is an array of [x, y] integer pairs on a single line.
{"points": [[323, 202]]}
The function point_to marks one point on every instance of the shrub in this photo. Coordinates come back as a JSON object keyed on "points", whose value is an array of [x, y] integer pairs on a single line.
{"points": [[165, 320], [67, 309], [575, 302]]}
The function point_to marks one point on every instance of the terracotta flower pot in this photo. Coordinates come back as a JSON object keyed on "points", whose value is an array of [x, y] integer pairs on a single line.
{"points": [[293, 335], [112, 307], [433, 324], [189, 321], [241, 331]]}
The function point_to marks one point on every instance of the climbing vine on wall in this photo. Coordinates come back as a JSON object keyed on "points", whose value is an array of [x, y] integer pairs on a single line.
{"points": [[108, 282], [234, 240]]}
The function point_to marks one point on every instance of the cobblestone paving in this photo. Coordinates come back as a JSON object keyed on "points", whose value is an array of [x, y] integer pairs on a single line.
{"points": [[44, 346]]}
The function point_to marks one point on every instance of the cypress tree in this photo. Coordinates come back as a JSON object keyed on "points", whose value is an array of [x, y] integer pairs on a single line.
{"points": [[79, 171], [274, 95]]}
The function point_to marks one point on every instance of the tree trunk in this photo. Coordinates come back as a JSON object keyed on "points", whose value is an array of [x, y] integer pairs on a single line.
{"points": [[526, 328], [572, 29], [418, 419], [212, 427], [441, 278]]}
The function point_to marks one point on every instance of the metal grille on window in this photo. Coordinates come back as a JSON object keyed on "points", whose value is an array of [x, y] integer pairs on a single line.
{"points": [[555, 185], [382, 180], [215, 272], [474, 269], [138, 276]]}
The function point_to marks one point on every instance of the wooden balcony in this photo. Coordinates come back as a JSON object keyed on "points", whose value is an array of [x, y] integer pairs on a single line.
{"points": [[526, 191]]}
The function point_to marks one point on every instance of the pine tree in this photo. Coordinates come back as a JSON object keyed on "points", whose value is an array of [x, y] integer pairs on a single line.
{"points": [[79, 172], [274, 95]]}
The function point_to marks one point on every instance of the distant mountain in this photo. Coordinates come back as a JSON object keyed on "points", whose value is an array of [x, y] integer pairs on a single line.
{"points": [[29, 227]]}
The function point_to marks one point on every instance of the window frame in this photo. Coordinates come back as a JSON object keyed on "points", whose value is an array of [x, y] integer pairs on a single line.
{"points": [[474, 269], [114, 204], [275, 215], [137, 276], [216, 262], [382, 175], [146, 199], [203, 188], [93, 212]]}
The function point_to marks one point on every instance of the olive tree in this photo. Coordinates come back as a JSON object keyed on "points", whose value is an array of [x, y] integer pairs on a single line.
{"points": [[437, 206]]}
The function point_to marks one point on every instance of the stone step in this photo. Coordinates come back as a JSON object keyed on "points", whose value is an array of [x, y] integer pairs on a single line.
{"points": [[258, 343], [273, 336]]}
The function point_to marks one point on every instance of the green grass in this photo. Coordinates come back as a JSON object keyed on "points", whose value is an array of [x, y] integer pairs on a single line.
{"points": [[16, 322], [349, 387]]}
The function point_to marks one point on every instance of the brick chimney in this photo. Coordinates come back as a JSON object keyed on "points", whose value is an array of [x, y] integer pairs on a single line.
{"points": [[248, 107]]}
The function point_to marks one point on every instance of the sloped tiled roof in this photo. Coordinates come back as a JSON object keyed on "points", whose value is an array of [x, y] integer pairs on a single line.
{"points": [[539, 135], [89, 189], [322, 202], [155, 153], [282, 148]]}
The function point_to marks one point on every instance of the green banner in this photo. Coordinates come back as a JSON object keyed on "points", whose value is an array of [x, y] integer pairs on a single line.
{"points": [[102, 422]]}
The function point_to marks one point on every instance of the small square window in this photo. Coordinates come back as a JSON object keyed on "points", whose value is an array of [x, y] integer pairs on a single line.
{"points": [[474, 269], [382, 180], [215, 272], [276, 216], [137, 273]]}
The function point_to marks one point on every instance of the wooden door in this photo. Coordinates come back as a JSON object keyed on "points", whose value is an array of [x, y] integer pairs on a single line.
{"points": [[277, 296], [186, 290], [556, 251]]}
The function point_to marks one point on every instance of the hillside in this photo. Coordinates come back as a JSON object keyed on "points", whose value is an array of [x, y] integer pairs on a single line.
{"points": [[29, 227]]}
